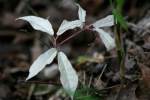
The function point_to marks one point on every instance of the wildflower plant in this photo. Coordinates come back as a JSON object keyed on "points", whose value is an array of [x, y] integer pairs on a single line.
{"points": [[68, 75]]}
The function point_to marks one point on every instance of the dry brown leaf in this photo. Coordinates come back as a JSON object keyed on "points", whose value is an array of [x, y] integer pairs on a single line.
{"points": [[145, 75], [143, 90]]}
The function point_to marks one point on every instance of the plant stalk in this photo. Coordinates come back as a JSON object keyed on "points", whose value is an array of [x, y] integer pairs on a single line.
{"points": [[120, 51], [75, 34]]}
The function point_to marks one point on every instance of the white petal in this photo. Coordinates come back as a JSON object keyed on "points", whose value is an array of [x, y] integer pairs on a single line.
{"points": [[68, 75], [81, 13], [41, 62], [38, 23], [105, 22], [108, 41], [67, 25]]}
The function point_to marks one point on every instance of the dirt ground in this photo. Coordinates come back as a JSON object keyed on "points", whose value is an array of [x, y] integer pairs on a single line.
{"points": [[98, 70]]}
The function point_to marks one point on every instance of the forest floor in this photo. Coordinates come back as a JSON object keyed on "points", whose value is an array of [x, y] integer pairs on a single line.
{"points": [[98, 70]]}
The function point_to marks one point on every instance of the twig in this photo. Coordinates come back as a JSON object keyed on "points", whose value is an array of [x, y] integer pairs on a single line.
{"points": [[101, 74], [38, 82], [31, 89], [107, 88], [90, 81], [84, 78]]}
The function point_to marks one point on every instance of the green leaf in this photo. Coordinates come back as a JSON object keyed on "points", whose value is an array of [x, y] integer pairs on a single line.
{"points": [[120, 19], [42, 89], [86, 94], [88, 97], [82, 59], [119, 4]]}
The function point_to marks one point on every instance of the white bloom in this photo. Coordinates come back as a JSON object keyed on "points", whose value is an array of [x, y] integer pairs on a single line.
{"points": [[69, 78], [44, 25], [66, 25], [108, 41], [40, 63], [105, 22], [68, 75], [39, 24], [81, 13]]}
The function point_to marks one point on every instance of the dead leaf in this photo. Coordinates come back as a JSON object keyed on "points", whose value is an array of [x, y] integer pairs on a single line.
{"points": [[143, 90], [145, 75]]}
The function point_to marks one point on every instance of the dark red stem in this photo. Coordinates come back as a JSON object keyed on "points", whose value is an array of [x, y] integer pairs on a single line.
{"points": [[75, 34]]}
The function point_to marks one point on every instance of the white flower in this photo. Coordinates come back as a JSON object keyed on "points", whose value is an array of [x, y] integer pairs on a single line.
{"points": [[39, 24], [44, 25], [68, 75], [40, 63], [108, 41]]}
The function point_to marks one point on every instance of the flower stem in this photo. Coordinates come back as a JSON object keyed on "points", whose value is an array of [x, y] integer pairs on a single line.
{"points": [[120, 51], [75, 34]]}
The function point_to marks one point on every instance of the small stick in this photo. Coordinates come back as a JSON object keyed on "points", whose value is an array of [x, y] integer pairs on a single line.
{"points": [[90, 81], [31, 89], [38, 82], [101, 73]]}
